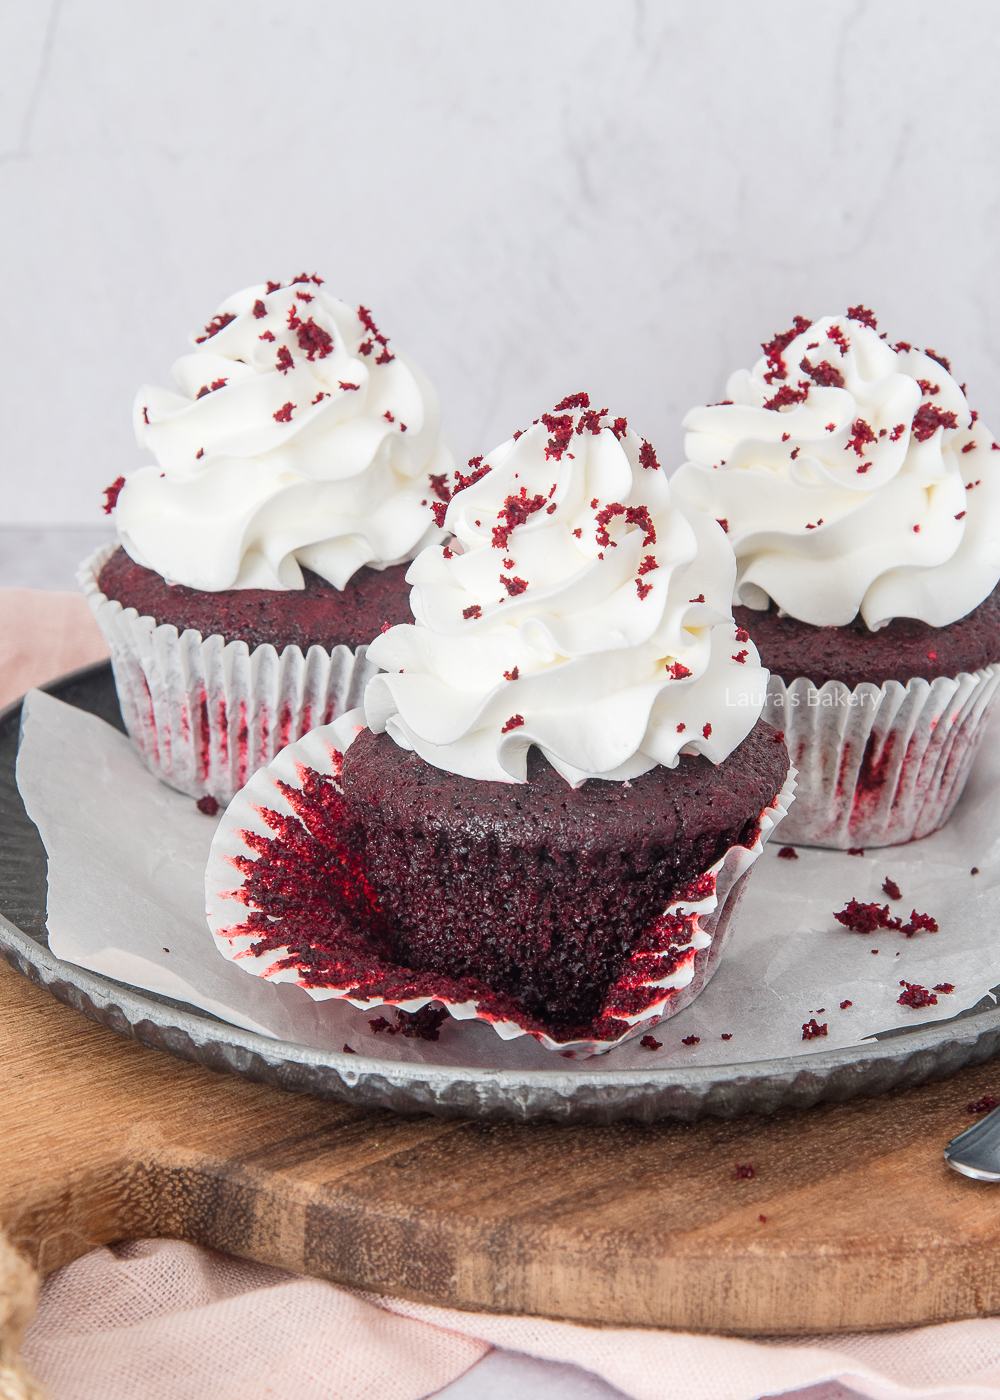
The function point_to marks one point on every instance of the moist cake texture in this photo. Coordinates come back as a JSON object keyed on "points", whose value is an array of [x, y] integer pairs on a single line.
{"points": [[899, 651], [539, 889], [317, 615]]}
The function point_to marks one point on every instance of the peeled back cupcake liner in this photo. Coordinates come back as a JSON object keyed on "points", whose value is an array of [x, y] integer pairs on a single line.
{"points": [[675, 958], [205, 713], [879, 765]]}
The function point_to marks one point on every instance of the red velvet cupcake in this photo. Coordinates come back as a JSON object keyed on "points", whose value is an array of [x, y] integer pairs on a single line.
{"points": [[862, 498], [294, 479]]}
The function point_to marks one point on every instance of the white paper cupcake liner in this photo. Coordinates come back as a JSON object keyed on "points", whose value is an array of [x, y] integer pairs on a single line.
{"points": [[879, 765], [680, 951], [206, 713]]}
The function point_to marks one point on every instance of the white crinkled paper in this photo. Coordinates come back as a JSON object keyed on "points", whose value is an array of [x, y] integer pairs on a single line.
{"points": [[127, 858]]}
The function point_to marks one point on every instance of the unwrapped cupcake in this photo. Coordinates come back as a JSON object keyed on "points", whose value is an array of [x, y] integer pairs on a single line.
{"points": [[862, 498], [294, 480], [549, 818]]}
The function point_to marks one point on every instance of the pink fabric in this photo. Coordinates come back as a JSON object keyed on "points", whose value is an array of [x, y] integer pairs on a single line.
{"points": [[163, 1320], [43, 635], [168, 1321]]}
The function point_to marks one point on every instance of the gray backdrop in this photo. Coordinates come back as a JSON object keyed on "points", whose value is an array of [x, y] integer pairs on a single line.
{"points": [[533, 196]]}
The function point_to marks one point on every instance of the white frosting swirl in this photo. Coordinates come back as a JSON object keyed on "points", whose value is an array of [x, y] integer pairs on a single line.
{"points": [[579, 608], [853, 477], [298, 437]]}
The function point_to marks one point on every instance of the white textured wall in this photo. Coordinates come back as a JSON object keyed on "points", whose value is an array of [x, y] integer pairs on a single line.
{"points": [[533, 196]]}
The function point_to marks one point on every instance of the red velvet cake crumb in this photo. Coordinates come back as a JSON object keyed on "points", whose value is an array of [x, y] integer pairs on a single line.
{"points": [[208, 805], [648, 1043], [928, 418], [348, 1050], [984, 1105], [890, 888], [862, 314], [788, 853], [811, 1030], [939, 359], [845, 1004], [726, 1035], [424, 1024], [691, 1040], [744, 1171], [111, 494], [915, 996], [945, 987], [974, 870]]}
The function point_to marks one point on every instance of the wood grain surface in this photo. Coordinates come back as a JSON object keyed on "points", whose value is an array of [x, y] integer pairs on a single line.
{"points": [[104, 1139]]}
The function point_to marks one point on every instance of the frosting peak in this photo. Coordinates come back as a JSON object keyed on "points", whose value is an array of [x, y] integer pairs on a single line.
{"points": [[298, 437], [579, 608], [852, 476]]}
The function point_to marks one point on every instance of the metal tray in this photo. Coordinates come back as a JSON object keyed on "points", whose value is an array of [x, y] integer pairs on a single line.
{"points": [[896, 1059]]}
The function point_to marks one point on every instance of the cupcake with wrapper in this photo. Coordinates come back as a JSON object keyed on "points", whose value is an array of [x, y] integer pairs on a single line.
{"points": [[862, 498], [546, 814], [267, 545]]}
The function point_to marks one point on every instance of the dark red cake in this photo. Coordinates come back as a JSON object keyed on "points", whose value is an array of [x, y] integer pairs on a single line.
{"points": [[905, 648], [541, 890], [317, 615]]}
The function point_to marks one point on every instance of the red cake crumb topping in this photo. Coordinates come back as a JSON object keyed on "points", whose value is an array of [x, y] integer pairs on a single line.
{"points": [[902, 345], [202, 392], [897, 432], [786, 396], [827, 376], [969, 447], [984, 1105], [939, 359], [725, 525], [928, 389], [321, 395], [774, 348], [208, 805], [648, 565], [514, 586], [388, 417], [285, 361], [862, 314], [855, 850], [634, 515], [762, 1219], [590, 422], [259, 309], [648, 1043], [647, 457], [726, 1035], [365, 348], [946, 987], [215, 325], [266, 335], [305, 296], [861, 435], [515, 511], [915, 996], [744, 1171], [424, 1024], [643, 588], [839, 339], [811, 1030], [795, 452], [515, 722], [580, 400], [788, 853], [284, 413], [741, 657], [974, 870], [317, 342], [691, 1040], [111, 494], [348, 1050], [701, 598], [785, 437], [619, 427], [439, 510], [918, 922], [961, 515], [511, 675], [928, 418], [890, 888], [681, 728], [474, 611], [199, 454], [273, 287], [845, 1004], [865, 918], [561, 430]]}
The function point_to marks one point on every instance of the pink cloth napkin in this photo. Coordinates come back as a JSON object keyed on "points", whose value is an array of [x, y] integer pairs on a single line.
{"points": [[43, 635], [162, 1320]]}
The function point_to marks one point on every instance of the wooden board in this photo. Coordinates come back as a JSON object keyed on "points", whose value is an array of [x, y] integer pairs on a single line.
{"points": [[104, 1139]]}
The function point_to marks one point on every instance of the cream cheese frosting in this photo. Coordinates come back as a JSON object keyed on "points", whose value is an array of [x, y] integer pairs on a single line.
{"points": [[579, 607], [297, 437], [852, 476]]}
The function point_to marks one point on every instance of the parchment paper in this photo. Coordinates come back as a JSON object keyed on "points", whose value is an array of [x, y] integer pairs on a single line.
{"points": [[126, 898]]}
